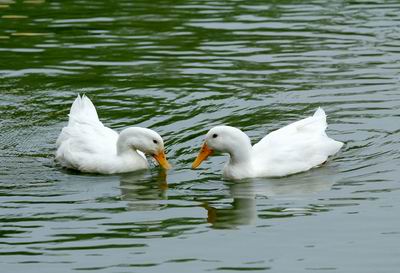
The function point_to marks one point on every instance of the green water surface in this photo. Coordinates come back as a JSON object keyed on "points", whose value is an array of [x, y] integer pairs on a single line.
{"points": [[181, 67]]}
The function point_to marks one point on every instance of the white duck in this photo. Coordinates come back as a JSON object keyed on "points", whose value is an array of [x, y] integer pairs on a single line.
{"points": [[297, 147], [85, 144]]}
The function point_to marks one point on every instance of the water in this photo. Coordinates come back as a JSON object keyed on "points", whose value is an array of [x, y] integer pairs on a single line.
{"points": [[181, 67]]}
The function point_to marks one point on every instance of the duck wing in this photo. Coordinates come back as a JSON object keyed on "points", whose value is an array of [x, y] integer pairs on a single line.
{"points": [[296, 147], [85, 135]]}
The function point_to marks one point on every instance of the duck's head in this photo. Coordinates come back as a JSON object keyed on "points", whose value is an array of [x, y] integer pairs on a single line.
{"points": [[145, 140], [224, 139]]}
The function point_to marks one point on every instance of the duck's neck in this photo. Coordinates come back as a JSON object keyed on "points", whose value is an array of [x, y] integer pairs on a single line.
{"points": [[241, 152], [127, 142]]}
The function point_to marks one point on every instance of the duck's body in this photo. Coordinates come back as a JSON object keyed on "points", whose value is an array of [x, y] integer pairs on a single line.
{"points": [[295, 148], [85, 144]]}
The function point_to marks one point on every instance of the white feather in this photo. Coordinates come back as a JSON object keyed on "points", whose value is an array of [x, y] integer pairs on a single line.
{"points": [[294, 148], [87, 145]]}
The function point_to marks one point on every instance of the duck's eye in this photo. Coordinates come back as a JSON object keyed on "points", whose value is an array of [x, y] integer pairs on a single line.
{"points": [[215, 135], [155, 141]]}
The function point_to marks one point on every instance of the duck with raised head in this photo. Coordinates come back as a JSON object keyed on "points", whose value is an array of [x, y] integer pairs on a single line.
{"points": [[295, 148], [86, 145]]}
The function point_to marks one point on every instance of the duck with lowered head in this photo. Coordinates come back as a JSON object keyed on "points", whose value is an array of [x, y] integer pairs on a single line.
{"points": [[85, 144]]}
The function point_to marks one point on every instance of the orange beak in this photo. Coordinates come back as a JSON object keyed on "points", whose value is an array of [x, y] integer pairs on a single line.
{"points": [[204, 153], [162, 160]]}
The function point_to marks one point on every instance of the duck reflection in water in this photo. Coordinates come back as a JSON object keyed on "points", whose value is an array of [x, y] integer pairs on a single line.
{"points": [[143, 189], [243, 208]]}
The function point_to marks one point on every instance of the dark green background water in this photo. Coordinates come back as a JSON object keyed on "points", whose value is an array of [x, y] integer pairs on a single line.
{"points": [[181, 67]]}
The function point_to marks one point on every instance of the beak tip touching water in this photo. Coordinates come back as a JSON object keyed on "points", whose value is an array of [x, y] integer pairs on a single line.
{"points": [[162, 160]]}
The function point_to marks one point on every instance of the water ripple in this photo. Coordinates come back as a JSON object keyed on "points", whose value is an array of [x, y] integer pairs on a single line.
{"points": [[181, 68]]}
